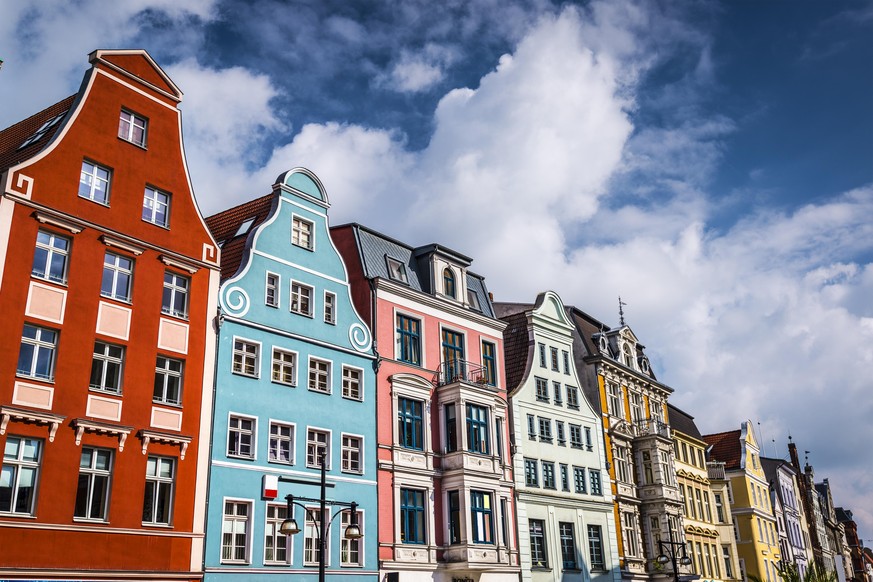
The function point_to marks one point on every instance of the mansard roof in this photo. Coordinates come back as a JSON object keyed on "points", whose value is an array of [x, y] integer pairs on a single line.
{"points": [[225, 228], [726, 447], [681, 421], [12, 138]]}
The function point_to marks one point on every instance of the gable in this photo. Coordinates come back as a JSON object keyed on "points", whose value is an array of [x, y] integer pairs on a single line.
{"points": [[138, 65]]}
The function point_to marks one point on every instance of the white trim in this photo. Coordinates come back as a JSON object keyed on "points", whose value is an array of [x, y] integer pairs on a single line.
{"points": [[258, 357], [289, 544], [330, 443], [440, 309], [52, 288], [250, 529], [296, 366], [254, 419], [171, 262], [278, 276], [44, 218], [360, 451], [293, 426], [334, 305], [276, 468], [113, 242], [311, 224], [330, 373], [299, 283], [361, 385]]}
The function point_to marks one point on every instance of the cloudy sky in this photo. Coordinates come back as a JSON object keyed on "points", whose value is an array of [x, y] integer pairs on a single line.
{"points": [[710, 162]]}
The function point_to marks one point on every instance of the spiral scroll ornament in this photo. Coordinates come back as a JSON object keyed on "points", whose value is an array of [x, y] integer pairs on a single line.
{"points": [[360, 337], [236, 301]]}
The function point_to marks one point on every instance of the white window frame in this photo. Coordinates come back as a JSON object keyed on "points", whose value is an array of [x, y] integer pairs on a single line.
{"points": [[275, 288], [167, 372], [253, 432], [248, 520], [309, 371], [153, 200], [93, 473], [116, 270], [396, 270], [297, 223], [360, 383], [271, 530], [45, 270], [346, 544], [360, 451], [291, 439], [105, 360], [283, 364], [91, 171], [175, 290], [329, 308], [309, 527], [327, 445], [297, 289], [133, 121], [39, 345], [158, 484], [244, 354], [19, 463]]}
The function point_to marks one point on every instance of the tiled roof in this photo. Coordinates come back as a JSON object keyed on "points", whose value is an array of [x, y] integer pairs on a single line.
{"points": [[725, 448], [503, 309], [13, 136], [683, 422], [517, 348], [224, 227], [771, 466]]}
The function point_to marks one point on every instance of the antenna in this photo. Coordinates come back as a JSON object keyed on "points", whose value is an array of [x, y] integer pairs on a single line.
{"points": [[620, 311]]}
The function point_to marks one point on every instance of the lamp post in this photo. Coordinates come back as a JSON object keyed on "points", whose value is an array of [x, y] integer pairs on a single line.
{"points": [[673, 555], [289, 526]]}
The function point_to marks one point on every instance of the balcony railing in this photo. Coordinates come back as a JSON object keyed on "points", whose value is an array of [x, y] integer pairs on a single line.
{"points": [[715, 470], [460, 371], [653, 426]]}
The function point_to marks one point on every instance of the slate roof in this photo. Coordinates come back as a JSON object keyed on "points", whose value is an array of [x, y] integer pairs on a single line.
{"points": [[375, 247], [224, 227], [683, 422], [771, 466], [13, 136], [725, 448], [518, 343]]}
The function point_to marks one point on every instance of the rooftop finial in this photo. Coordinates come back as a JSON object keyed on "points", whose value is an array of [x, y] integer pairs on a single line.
{"points": [[621, 305]]}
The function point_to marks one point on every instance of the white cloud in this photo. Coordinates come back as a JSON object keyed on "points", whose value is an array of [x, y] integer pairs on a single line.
{"points": [[419, 71]]}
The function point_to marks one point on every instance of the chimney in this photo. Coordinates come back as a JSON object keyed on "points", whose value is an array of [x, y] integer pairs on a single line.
{"points": [[795, 460]]}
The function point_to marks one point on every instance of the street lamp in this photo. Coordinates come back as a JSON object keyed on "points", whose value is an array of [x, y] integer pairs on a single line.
{"points": [[672, 555], [289, 526]]}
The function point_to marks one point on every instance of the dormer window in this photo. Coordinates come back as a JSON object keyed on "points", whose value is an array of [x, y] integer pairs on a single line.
{"points": [[473, 300], [397, 270], [449, 283], [627, 355]]}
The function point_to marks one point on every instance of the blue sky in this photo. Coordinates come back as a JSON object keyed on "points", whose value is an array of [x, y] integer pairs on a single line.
{"points": [[710, 162]]}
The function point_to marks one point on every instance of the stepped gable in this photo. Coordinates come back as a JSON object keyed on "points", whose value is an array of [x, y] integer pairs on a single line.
{"points": [[225, 228], [726, 447], [13, 136]]}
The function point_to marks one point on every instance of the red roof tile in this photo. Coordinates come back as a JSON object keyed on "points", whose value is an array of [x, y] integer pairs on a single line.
{"points": [[726, 447], [224, 227], [13, 136]]}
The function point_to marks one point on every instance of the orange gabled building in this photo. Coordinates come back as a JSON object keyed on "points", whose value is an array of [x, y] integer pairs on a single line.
{"points": [[108, 288]]}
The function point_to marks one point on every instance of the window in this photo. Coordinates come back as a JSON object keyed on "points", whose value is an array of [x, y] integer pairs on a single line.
{"points": [[106, 367], [542, 348], [566, 357], [353, 447], [281, 443], [301, 299], [42, 130], [454, 517], [351, 551], [329, 308], [614, 399], [240, 437], [565, 477], [630, 534], [117, 276], [575, 436], [553, 352], [588, 442], [156, 207], [36, 356], [449, 283], [132, 128], [531, 478], [397, 270], [545, 429], [312, 549], [317, 448], [50, 257], [157, 505], [301, 233], [94, 183], [352, 383], [548, 475], [92, 493], [235, 532], [719, 508], [648, 477], [594, 477], [412, 516], [473, 300], [572, 397], [271, 294], [275, 543], [538, 556], [319, 375], [451, 429], [175, 299], [489, 363], [622, 471], [409, 428], [477, 429], [18, 478], [636, 406], [246, 358], [453, 355], [498, 431], [579, 479], [556, 386], [559, 430], [726, 555], [595, 547], [284, 367], [482, 517], [568, 545], [168, 381], [409, 340], [542, 389], [531, 427]]}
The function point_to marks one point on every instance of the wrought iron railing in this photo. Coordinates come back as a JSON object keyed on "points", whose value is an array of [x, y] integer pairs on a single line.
{"points": [[460, 371], [653, 426]]}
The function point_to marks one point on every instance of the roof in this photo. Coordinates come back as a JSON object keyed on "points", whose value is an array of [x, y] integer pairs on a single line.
{"points": [[15, 135], [502, 309], [681, 421], [725, 448], [225, 228], [518, 346], [771, 466]]}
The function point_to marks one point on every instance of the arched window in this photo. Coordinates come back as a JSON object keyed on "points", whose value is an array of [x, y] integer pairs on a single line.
{"points": [[449, 283], [628, 357]]}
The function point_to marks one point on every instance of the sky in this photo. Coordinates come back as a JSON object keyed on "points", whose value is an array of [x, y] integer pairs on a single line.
{"points": [[709, 162]]}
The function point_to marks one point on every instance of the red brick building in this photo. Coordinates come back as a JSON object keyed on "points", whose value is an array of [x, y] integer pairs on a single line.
{"points": [[108, 286]]}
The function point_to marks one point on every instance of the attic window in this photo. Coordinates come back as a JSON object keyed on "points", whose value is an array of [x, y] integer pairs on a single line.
{"points": [[473, 300], [244, 227], [627, 356], [449, 283], [43, 129], [397, 270]]}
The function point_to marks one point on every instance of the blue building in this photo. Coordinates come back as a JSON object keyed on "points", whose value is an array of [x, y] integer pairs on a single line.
{"points": [[294, 386]]}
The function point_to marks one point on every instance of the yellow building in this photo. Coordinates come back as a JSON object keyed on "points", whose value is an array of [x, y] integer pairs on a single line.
{"points": [[749, 497]]}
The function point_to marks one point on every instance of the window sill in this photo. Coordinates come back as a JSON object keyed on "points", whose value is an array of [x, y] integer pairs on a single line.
{"points": [[133, 143], [288, 384], [118, 299], [90, 521], [4, 515], [35, 378], [240, 457], [162, 226], [243, 374], [301, 314], [158, 525], [278, 462], [358, 473], [325, 392], [183, 317], [49, 281], [105, 392], [170, 404], [353, 399]]}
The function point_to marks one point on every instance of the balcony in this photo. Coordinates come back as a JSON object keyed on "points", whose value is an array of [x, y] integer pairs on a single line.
{"points": [[715, 470], [461, 371], [652, 427]]}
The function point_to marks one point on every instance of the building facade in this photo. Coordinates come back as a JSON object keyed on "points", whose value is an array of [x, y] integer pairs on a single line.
{"points": [[727, 534], [295, 392], [564, 507], [109, 278], [785, 499], [754, 519], [444, 469]]}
